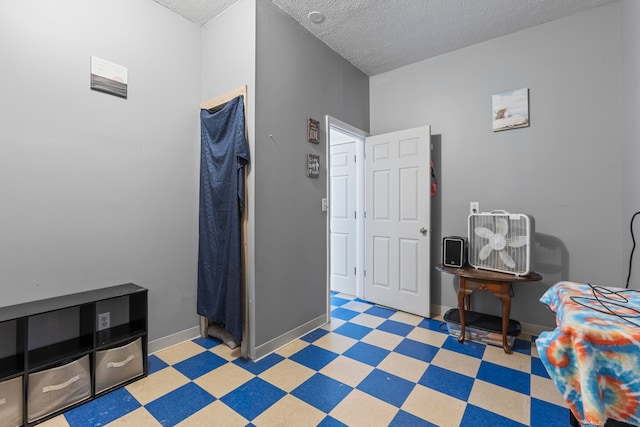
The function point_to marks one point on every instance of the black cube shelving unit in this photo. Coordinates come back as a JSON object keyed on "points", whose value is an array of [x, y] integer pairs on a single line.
{"points": [[43, 338]]}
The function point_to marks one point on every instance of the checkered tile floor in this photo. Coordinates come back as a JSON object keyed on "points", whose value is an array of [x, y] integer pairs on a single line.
{"points": [[371, 366]]}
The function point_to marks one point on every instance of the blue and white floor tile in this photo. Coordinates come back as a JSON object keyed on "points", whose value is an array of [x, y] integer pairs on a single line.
{"points": [[371, 366]]}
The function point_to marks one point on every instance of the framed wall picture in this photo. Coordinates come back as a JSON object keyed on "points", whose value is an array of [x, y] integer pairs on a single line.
{"points": [[510, 110], [313, 165], [108, 77], [313, 131]]}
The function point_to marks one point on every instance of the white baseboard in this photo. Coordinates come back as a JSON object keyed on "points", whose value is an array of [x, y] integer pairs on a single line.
{"points": [[284, 339], [173, 339], [287, 338], [261, 351], [533, 329], [439, 310]]}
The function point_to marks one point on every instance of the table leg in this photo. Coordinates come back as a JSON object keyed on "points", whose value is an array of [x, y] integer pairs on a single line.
{"points": [[506, 312], [461, 312], [464, 296]]}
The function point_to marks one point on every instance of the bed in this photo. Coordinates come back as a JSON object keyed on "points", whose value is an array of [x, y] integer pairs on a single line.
{"points": [[593, 355]]}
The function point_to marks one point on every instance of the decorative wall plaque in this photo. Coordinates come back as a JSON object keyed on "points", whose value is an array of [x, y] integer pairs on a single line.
{"points": [[313, 131], [313, 165], [108, 77]]}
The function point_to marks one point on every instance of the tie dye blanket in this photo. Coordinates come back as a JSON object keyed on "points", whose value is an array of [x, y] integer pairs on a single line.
{"points": [[593, 355]]}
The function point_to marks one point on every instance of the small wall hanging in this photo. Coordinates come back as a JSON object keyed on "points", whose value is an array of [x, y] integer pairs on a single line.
{"points": [[313, 131], [108, 77], [510, 110], [313, 165]]}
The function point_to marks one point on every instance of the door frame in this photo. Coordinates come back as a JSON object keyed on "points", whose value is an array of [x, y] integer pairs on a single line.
{"points": [[359, 135]]}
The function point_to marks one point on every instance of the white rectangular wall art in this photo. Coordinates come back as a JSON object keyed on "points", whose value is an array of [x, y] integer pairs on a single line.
{"points": [[510, 110], [313, 165], [108, 77]]}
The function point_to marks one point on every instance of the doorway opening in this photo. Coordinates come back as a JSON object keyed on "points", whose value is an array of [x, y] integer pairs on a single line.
{"points": [[378, 225], [345, 151]]}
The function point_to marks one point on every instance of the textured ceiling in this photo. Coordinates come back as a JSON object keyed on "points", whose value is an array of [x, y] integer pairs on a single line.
{"points": [[198, 11], [381, 35]]}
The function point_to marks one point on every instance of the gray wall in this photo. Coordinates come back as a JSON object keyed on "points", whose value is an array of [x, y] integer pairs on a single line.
{"points": [[630, 117], [97, 190], [565, 169], [298, 77]]}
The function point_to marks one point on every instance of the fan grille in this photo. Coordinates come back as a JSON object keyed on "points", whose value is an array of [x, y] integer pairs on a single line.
{"points": [[506, 252]]}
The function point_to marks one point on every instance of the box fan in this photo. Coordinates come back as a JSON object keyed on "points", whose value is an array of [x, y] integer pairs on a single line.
{"points": [[501, 241]]}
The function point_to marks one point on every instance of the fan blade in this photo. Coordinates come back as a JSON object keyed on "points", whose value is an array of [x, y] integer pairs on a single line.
{"points": [[506, 258], [502, 226], [517, 241], [484, 252], [483, 232]]}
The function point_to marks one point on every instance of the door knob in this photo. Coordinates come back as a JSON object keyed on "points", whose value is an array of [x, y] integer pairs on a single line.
{"points": [[423, 231]]}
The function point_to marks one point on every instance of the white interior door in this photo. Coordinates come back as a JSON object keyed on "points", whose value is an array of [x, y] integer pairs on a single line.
{"points": [[343, 218], [397, 225]]}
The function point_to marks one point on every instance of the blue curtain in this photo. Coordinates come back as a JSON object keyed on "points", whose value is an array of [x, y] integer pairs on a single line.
{"points": [[223, 157]]}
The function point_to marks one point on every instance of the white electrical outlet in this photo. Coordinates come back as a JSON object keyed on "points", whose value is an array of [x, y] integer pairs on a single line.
{"points": [[104, 321], [474, 207]]}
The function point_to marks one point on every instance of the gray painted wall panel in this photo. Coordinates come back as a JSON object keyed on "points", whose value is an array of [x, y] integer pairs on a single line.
{"points": [[98, 190], [298, 78], [565, 169], [630, 22]]}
